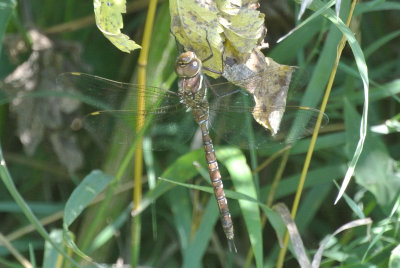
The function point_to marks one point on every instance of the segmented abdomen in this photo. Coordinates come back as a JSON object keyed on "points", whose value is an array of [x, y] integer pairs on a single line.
{"points": [[215, 175]]}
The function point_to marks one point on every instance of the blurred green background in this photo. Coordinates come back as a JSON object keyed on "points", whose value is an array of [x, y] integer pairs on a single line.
{"points": [[180, 225]]}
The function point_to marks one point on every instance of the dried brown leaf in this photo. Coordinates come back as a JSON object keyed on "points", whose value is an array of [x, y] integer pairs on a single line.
{"points": [[35, 116], [267, 80]]}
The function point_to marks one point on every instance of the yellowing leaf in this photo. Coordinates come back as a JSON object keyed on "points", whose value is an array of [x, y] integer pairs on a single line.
{"points": [[243, 24], [235, 31], [244, 30], [193, 23], [109, 21], [233, 25]]}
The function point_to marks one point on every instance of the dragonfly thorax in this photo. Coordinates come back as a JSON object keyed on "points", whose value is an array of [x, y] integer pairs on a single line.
{"points": [[192, 90]]}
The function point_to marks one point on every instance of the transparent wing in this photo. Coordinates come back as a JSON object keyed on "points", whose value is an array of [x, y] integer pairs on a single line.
{"points": [[268, 76], [105, 94], [113, 111], [231, 118], [167, 130], [231, 115]]}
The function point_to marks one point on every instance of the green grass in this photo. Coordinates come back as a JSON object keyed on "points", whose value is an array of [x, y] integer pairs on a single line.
{"points": [[48, 207]]}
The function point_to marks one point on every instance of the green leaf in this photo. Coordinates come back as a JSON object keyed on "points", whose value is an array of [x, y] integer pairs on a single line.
{"points": [[51, 255], [181, 208], [6, 9], [378, 44], [273, 217], [109, 231], [195, 251], [243, 26], [311, 203], [91, 186], [9, 183], [363, 71], [109, 21], [234, 160], [315, 177], [376, 170], [377, 5], [181, 170], [394, 260], [319, 6], [353, 205]]}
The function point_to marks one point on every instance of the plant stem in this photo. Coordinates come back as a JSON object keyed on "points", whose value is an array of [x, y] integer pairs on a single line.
{"points": [[310, 151], [137, 190]]}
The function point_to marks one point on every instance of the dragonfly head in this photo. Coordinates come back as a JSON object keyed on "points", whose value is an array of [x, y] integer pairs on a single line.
{"points": [[187, 65]]}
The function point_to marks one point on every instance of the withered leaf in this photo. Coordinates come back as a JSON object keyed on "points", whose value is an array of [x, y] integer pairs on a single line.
{"points": [[195, 25], [269, 83], [36, 116]]}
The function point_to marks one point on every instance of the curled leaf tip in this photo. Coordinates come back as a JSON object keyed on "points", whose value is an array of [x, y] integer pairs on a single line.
{"points": [[108, 15]]}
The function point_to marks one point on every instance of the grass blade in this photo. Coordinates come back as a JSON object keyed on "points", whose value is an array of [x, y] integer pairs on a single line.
{"points": [[91, 186], [8, 182], [234, 160]]}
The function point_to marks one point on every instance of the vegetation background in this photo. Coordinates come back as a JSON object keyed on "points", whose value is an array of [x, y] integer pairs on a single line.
{"points": [[180, 224]]}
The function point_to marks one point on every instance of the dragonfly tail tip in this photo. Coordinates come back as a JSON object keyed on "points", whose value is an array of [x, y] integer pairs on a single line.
{"points": [[232, 246]]}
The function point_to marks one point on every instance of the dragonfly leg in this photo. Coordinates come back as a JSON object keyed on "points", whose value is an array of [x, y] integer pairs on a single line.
{"points": [[210, 56], [179, 46], [209, 46]]}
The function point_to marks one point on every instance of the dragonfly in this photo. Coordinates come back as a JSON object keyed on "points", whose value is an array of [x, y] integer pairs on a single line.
{"points": [[226, 115]]}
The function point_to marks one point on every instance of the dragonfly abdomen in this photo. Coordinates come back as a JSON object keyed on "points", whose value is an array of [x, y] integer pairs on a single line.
{"points": [[216, 180]]}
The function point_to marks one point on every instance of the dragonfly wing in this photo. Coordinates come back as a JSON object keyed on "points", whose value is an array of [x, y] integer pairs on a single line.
{"points": [[167, 130], [300, 122], [105, 94], [114, 111], [232, 119]]}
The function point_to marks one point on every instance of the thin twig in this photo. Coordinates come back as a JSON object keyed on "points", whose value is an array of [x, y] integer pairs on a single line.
{"points": [[90, 20], [270, 159], [15, 252]]}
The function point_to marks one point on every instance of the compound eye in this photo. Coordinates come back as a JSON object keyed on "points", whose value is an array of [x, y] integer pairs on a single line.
{"points": [[192, 68], [187, 66]]}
